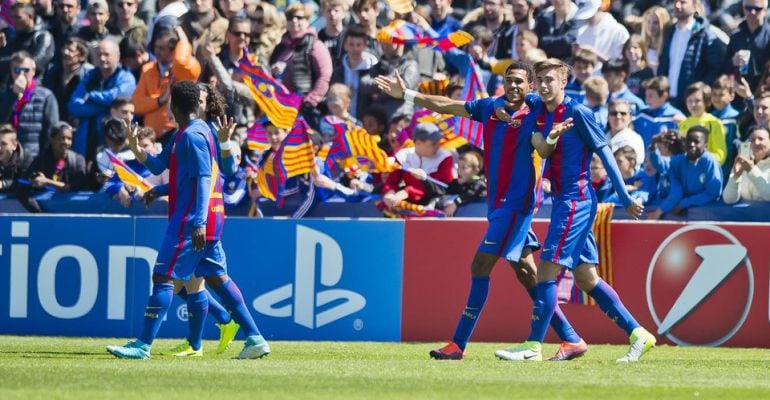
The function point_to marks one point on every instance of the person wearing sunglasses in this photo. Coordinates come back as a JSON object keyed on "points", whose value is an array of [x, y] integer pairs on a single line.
{"points": [[31, 38], [28, 106], [125, 22], [621, 133], [748, 48]]}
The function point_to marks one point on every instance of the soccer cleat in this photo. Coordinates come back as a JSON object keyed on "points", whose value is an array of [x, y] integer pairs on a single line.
{"points": [[570, 351], [449, 352], [641, 342], [527, 351], [255, 347], [226, 335], [136, 350], [184, 350]]}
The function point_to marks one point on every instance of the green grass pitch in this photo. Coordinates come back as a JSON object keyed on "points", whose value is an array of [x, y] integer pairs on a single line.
{"points": [[80, 368]]}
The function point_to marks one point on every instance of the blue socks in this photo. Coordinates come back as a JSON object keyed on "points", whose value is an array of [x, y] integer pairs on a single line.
{"points": [[559, 321], [233, 299], [197, 310], [610, 303], [215, 308], [476, 299], [157, 307], [543, 310]]}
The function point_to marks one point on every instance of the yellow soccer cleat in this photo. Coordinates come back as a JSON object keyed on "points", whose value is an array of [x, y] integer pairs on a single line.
{"points": [[184, 350], [227, 334]]}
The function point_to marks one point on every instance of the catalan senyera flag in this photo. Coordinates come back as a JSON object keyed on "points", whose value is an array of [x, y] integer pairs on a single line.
{"points": [[294, 157], [568, 291], [405, 33], [354, 141], [434, 87], [127, 175], [279, 104], [256, 136], [473, 89], [400, 6]]}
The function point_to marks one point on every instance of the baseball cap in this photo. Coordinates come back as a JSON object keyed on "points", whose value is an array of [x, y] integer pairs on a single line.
{"points": [[587, 8], [97, 4], [425, 131]]}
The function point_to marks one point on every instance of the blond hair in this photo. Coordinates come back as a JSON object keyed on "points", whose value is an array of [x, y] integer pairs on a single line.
{"points": [[597, 88], [552, 63], [664, 21]]}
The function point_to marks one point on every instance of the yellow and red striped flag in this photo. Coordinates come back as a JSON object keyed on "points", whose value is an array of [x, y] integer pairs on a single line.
{"points": [[127, 175], [279, 104]]}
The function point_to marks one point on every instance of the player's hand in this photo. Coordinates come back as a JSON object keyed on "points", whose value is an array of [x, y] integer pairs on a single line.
{"points": [[502, 115], [199, 238], [636, 209], [394, 87], [132, 134], [149, 197], [655, 214], [226, 128], [559, 128]]}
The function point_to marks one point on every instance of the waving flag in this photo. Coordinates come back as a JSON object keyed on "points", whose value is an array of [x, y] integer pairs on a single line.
{"points": [[256, 136], [272, 97], [434, 87], [354, 141], [294, 157], [402, 32], [473, 89], [127, 175]]}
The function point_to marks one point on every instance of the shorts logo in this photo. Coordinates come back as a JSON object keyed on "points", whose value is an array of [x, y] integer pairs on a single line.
{"points": [[488, 242], [692, 283], [308, 302]]}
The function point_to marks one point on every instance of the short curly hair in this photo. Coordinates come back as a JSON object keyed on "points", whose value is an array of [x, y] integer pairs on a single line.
{"points": [[185, 97]]}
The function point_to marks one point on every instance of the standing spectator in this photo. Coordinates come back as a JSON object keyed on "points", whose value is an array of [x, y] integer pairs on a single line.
{"points": [[174, 62], [63, 79], [13, 159], [355, 64], [133, 55], [596, 93], [615, 71], [332, 35], [57, 166], [392, 63], [750, 175], [691, 53], [762, 109], [635, 51], [655, 21], [522, 21], [366, 13], [27, 105], [696, 178], [267, 27], [441, 19], [621, 132], [93, 96], [749, 47], [30, 38], [660, 115], [601, 33], [204, 23], [302, 62], [556, 29], [125, 23], [45, 11], [232, 8], [67, 22], [170, 11], [583, 64], [97, 13], [698, 98], [493, 18]]}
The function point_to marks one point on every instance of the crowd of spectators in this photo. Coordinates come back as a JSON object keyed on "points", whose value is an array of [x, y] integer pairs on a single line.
{"points": [[682, 89]]}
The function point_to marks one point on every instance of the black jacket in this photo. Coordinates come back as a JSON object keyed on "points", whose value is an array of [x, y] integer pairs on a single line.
{"points": [[14, 169]]}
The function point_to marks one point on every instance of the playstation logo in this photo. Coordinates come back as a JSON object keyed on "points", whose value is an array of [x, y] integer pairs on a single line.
{"points": [[310, 306]]}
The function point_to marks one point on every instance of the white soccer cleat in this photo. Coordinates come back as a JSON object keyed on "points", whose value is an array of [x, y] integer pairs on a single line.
{"points": [[255, 347], [641, 342], [527, 351]]}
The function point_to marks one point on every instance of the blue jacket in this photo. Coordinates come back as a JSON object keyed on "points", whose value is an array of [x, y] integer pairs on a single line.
{"points": [[693, 184], [637, 104], [729, 117], [649, 122], [575, 90]]}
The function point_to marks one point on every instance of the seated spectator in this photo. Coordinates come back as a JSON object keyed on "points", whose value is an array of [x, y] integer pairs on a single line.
{"points": [[27, 105], [423, 168], [97, 13], [750, 175], [525, 42], [63, 79], [615, 71], [94, 95], [125, 23], [696, 177], [698, 98], [116, 143], [204, 23], [396, 136], [13, 159], [621, 133], [635, 51], [375, 122], [174, 62], [469, 186], [638, 184], [355, 64], [722, 95], [596, 94], [30, 37], [599, 180], [662, 147], [583, 64], [125, 194], [660, 115], [338, 102]]}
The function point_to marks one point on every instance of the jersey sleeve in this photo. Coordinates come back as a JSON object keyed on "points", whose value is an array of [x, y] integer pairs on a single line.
{"points": [[195, 148], [480, 109], [588, 128]]}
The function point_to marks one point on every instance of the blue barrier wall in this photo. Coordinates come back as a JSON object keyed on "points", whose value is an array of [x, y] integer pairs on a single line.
{"points": [[303, 279]]}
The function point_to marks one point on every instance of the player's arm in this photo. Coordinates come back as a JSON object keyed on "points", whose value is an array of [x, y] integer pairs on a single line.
{"points": [[199, 167], [546, 145], [396, 87]]}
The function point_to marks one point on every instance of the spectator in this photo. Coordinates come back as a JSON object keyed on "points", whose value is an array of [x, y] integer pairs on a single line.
{"points": [[660, 115], [366, 13], [302, 62], [522, 21], [101, 174], [27, 105], [762, 109], [691, 53], [635, 51], [170, 12], [125, 23], [133, 56], [66, 24], [126, 193], [583, 64], [97, 13], [750, 176], [749, 47], [63, 79], [46, 14], [722, 95], [601, 185], [468, 187], [493, 18], [556, 29], [764, 81], [232, 8], [267, 27], [638, 184], [663, 147], [601, 33], [13, 159], [58, 167], [93, 96], [338, 102], [375, 122], [696, 178], [655, 22], [526, 41], [491, 70], [431, 63], [421, 167], [174, 62], [122, 108], [441, 19], [204, 23], [615, 71], [596, 94], [30, 38], [396, 134], [621, 133], [355, 64], [332, 35], [698, 97]]}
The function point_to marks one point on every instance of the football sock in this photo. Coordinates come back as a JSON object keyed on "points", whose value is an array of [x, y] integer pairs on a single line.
{"points": [[157, 307], [216, 309], [233, 299], [543, 310], [559, 321], [197, 309], [476, 299], [607, 299]]}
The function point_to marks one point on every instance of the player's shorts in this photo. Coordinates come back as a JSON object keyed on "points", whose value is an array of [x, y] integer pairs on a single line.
{"points": [[177, 259], [509, 232], [570, 240]]}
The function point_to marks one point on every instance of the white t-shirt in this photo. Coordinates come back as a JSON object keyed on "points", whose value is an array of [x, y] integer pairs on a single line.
{"points": [[676, 55], [607, 37]]}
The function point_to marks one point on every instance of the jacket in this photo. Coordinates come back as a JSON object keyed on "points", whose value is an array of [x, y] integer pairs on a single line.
{"points": [[36, 118], [14, 169], [751, 185], [319, 70], [38, 43]]}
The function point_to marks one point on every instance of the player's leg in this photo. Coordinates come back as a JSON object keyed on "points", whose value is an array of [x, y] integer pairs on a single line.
{"points": [[197, 309], [228, 328]]}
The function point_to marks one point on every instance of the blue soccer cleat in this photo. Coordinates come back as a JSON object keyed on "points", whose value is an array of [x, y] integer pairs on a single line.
{"points": [[136, 350]]}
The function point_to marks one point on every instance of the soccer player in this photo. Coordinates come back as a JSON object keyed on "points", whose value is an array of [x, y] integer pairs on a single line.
{"points": [[513, 189], [192, 243], [570, 242]]}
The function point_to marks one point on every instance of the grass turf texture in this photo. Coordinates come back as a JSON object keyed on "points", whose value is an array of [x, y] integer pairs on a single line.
{"points": [[80, 368]]}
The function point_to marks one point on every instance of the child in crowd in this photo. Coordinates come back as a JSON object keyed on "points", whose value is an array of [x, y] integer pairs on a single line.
{"points": [[338, 101], [583, 65], [698, 98], [596, 94], [660, 115], [469, 186], [722, 94]]}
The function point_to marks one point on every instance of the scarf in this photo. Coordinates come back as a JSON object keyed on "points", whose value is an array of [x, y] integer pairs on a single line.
{"points": [[19, 104]]}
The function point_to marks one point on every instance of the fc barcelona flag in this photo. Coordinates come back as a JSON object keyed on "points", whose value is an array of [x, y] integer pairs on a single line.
{"points": [[405, 33], [256, 136], [294, 157], [354, 141], [127, 175], [272, 97], [473, 89]]}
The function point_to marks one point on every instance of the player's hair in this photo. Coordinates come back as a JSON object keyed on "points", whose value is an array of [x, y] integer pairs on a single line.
{"points": [[627, 152], [529, 36], [659, 84], [216, 105], [597, 88], [584, 56], [185, 96], [723, 82], [699, 87], [120, 101], [552, 63], [520, 66], [699, 128], [619, 102], [6, 129], [616, 65], [359, 5]]}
